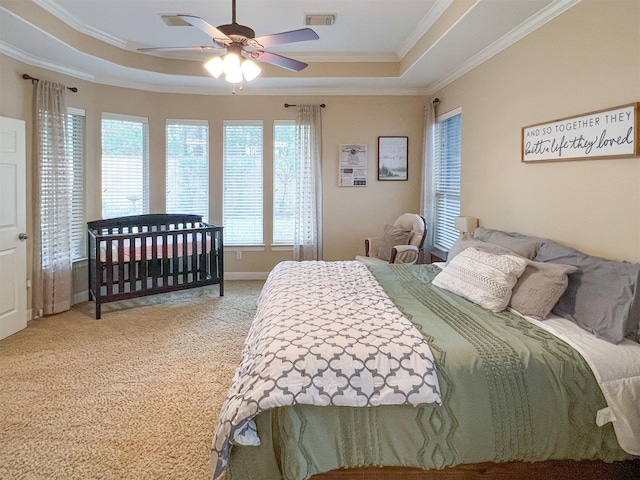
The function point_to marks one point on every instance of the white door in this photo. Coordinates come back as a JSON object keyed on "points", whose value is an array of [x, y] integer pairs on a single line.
{"points": [[13, 224]]}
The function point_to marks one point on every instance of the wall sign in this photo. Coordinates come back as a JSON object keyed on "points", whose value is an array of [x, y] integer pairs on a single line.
{"points": [[610, 133]]}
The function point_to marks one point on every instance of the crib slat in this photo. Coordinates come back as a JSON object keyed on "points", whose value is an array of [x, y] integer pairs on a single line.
{"points": [[109, 267], [143, 263], [165, 261], [194, 258], [184, 268], [133, 276], [120, 259], [202, 256], [175, 258], [154, 260]]}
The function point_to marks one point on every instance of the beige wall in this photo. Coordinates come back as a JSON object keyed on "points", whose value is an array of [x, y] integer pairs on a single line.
{"points": [[350, 213], [586, 59]]}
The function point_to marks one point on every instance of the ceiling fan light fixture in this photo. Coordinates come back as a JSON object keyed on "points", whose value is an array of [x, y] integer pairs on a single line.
{"points": [[234, 76], [250, 70], [215, 66], [231, 62]]}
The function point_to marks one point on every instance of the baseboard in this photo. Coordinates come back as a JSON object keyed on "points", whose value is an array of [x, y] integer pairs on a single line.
{"points": [[246, 275], [81, 297]]}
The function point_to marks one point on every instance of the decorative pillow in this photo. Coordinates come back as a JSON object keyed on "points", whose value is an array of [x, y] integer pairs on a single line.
{"points": [[603, 297], [392, 236], [466, 240], [483, 278], [539, 288], [518, 243]]}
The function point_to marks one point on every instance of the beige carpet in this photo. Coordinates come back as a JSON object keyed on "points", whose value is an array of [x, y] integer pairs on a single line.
{"points": [[132, 396]]}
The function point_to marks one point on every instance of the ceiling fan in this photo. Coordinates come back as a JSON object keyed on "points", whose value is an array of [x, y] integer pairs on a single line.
{"points": [[240, 45]]}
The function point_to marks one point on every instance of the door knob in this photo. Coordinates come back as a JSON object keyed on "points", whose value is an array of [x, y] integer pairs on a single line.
{"points": [[23, 236]]}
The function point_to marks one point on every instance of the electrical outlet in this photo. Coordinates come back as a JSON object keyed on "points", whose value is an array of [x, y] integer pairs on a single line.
{"points": [[238, 255]]}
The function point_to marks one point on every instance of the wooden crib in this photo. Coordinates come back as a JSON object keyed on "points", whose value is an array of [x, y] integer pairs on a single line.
{"points": [[148, 254]]}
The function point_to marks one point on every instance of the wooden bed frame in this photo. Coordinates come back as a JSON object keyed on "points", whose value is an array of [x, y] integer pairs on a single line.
{"points": [[148, 254], [549, 470]]}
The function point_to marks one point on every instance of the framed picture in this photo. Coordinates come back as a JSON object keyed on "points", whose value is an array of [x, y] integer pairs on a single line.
{"points": [[392, 158]]}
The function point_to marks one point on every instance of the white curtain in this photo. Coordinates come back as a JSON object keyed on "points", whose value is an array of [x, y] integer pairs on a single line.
{"points": [[307, 243], [428, 159], [52, 194]]}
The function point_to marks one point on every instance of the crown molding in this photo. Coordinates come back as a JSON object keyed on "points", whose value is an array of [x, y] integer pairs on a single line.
{"points": [[425, 24], [29, 59], [518, 33], [65, 16]]}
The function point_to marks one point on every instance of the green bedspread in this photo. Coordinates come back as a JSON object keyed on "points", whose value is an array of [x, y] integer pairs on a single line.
{"points": [[511, 391]]}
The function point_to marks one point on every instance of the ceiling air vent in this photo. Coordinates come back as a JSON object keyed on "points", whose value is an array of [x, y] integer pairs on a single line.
{"points": [[320, 19]]}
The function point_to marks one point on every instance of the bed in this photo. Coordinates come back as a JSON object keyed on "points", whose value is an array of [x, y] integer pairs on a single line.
{"points": [[547, 391], [148, 254]]}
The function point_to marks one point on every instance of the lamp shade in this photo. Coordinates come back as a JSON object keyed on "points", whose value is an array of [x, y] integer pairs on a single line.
{"points": [[250, 70], [466, 224], [215, 66], [234, 76]]}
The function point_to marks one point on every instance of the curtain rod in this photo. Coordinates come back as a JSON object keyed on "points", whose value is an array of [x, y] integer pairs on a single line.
{"points": [[34, 80], [287, 105], [436, 101]]}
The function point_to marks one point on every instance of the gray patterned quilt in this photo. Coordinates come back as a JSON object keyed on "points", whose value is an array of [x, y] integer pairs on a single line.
{"points": [[325, 333]]}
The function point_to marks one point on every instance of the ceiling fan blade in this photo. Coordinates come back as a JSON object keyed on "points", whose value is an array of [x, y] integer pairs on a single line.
{"points": [[301, 35], [278, 60], [200, 48], [207, 28]]}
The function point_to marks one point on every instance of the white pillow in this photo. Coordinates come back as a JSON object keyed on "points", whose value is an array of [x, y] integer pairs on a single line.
{"points": [[482, 277]]}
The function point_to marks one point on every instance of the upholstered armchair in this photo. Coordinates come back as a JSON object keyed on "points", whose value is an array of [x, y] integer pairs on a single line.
{"points": [[399, 243]]}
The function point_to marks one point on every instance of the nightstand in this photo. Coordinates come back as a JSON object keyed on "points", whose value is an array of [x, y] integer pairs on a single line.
{"points": [[437, 255]]}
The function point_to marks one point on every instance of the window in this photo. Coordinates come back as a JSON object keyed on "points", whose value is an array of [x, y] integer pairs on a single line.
{"points": [[73, 167], [75, 148], [447, 178], [284, 188], [125, 160], [188, 167], [242, 201]]}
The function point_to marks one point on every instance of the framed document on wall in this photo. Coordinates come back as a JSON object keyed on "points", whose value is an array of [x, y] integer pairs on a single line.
{"points": [[393, 158], [354, 164]]}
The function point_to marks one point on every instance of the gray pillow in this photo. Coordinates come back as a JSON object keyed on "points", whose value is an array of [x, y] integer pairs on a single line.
{"points": [[539, 288], [602, 297], [466, 240], [518, 243], [391, 237]]}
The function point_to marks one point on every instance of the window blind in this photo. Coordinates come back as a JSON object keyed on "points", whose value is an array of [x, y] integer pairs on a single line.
{"points": [[447, 180], [125, 160], [242, 202], [75, 149], [188, 167], [284, 188], [74, 167]]}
